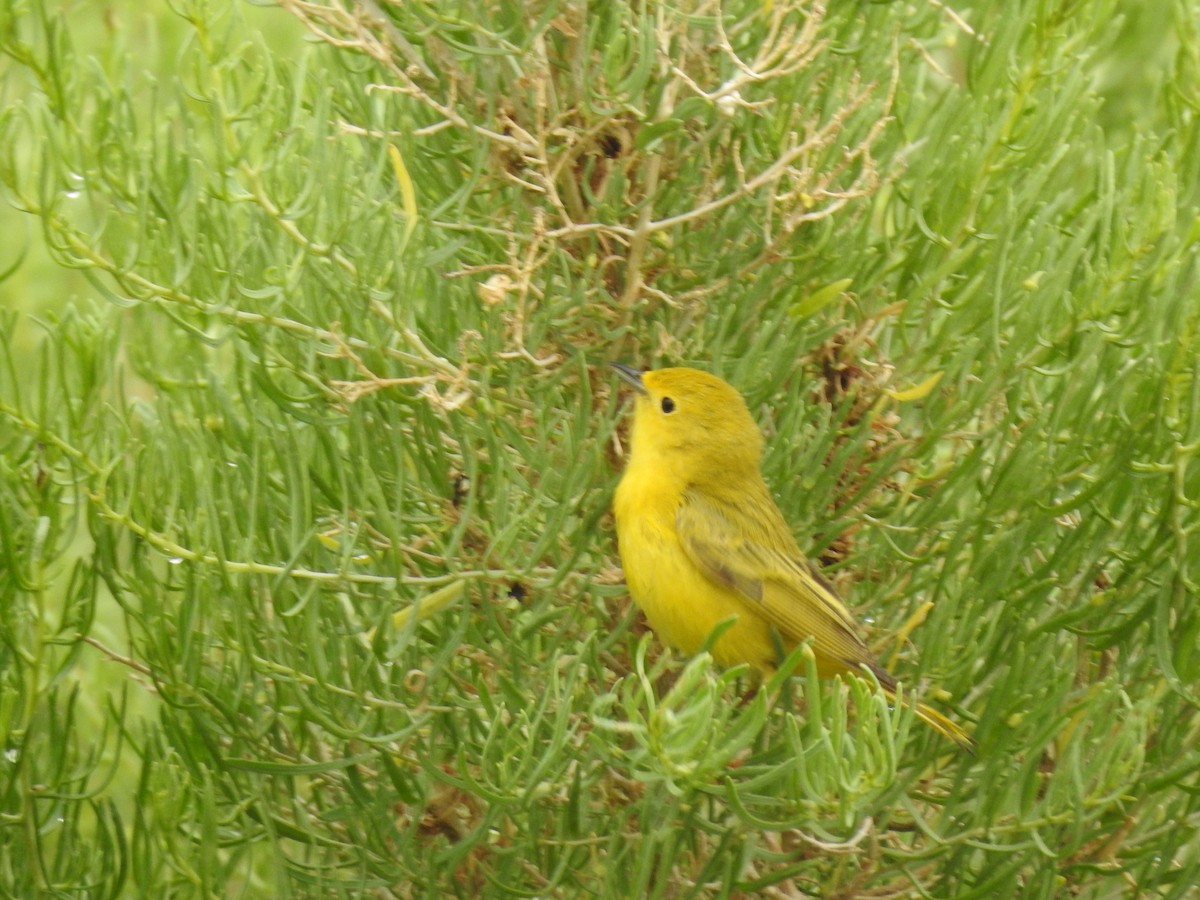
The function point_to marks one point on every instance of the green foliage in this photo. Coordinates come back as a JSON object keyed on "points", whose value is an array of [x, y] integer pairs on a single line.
{"points": [[306, 581]]}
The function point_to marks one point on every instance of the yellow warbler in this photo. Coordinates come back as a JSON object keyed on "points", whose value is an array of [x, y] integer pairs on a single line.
{"points": [[702, 541]]}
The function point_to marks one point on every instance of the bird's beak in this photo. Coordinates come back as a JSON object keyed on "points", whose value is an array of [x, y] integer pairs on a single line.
{"points": [[630, 374]]}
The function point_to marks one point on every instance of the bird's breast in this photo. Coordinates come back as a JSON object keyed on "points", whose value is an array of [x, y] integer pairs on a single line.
{"points": [[681, 603]]}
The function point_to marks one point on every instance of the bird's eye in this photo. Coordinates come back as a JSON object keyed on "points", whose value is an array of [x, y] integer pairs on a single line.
{"points": [[668, 405]]}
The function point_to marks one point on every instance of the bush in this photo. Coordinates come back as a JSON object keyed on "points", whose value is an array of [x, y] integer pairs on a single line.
{"points": [[307, 577]]}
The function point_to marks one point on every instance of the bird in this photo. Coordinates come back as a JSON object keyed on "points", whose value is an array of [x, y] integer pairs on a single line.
{"points": [[702, 541]]}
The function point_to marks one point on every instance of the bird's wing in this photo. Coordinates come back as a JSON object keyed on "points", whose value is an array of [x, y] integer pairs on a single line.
{"points": [[757, 559]]}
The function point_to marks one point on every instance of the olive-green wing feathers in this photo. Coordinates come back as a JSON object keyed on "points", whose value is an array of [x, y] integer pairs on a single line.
{"points": [[747, 548]]}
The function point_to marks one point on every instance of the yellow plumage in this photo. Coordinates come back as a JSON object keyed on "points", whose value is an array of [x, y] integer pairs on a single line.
{"points": [[702, 540]]}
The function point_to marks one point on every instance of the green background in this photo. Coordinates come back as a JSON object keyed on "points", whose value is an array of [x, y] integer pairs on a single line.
{"points": [[308, 585]]}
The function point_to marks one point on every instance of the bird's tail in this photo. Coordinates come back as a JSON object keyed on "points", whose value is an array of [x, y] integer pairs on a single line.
{"points": [[943, 725]]}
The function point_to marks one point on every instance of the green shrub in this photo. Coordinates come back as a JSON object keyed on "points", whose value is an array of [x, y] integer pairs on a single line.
{"points": [[307, 581]]}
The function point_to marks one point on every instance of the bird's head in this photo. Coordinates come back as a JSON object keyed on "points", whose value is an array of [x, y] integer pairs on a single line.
{"points": [[692, 422]]}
